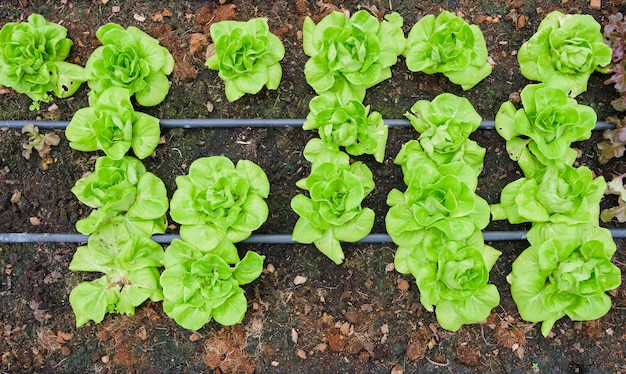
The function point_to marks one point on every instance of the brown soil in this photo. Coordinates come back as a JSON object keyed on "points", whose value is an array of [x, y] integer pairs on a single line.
{"points": [[359, 317]]}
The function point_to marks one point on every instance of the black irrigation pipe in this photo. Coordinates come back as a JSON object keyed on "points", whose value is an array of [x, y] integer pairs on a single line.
{"points": [[192, 123], [237, 123], [490, 236]]}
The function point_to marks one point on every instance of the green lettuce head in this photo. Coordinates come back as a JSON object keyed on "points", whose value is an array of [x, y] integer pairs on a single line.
{"points": [[349, 55], [348, 124], [112, 125], [558, 194], [247, 56], [452, 276], [333, 213], [449, 45], [32, 58], [566, 271], [435, 201], [541, 133], [131, 59], [123, 193], [445, 124], [564, 52], [218, 201], [130, 265], [202, 282]]}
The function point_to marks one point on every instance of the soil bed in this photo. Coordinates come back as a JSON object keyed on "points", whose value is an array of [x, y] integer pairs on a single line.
{"points": [[358, 317]]}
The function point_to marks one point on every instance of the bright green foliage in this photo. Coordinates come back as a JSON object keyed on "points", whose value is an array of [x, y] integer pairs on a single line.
{"points": [[435, 199], [566, 271], [449, 45], [202, 282], [131, 59], [559, 194], [333, 213], [112, 125], [247, 56], [218, 201], [123, 192], [541, 133], [348, 123], [453, 276], [445, 124], [129, 263], [32, 58], [564, 52], [349, 55]]}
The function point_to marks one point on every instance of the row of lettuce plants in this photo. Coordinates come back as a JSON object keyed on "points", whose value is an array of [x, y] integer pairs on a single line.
{"points": [[567, 269], [217, 204], [436, 222]]}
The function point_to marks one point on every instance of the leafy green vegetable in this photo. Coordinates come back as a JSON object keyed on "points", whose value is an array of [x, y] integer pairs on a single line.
{"points": [[348, 124], [559, 194], [131, 59], [247, 56], [112, 125], [614, 140], [333, 213], [449, 45], [32, 58], [616, 187], [445, 124], [541, 133], [349, 55], [202, 282], [123, 193], [452, 275], [566, 271], [218, 201], [564, 52], [129, 263], [435, 199]]}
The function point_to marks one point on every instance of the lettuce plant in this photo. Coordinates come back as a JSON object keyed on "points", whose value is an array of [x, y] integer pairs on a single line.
{"points": [[449, 45], [616, 187], [435, 199], [445, 124], [542, 131], [123, 193], [32, 58], [131, 59], [42, 143], [129, 263], [564, 52], [247, 56], [219, 200], [614, 140], [615, 37], [452, 276], [349, 55], [565, 272], [202, 282], [558, 194], [348, 124], [112, 125], [333, 212]]}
